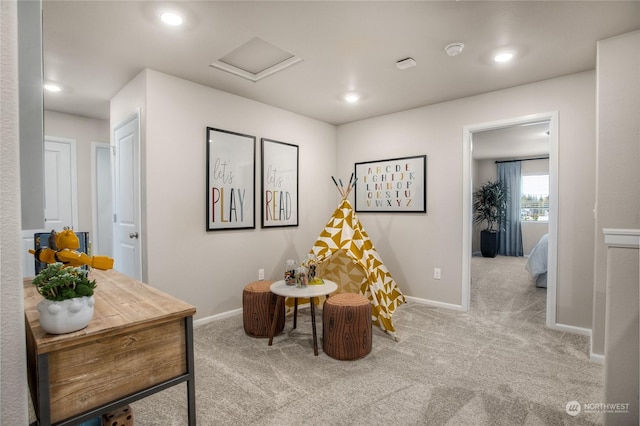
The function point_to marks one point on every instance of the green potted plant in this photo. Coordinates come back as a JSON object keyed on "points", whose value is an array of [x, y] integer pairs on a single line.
{"points": [[490, 205], [68, 298]]}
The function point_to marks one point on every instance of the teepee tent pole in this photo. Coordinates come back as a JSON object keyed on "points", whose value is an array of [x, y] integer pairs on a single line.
{"points": [[344, 192], [339, 189], [352, 184]]}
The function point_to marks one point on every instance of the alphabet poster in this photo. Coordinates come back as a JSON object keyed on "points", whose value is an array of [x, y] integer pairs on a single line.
{"points": [[279, 196], [230, 180], [396, 185]]}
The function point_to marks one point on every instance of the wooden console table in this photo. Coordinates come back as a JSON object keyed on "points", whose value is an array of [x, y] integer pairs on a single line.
{"points": [[139, 342]]}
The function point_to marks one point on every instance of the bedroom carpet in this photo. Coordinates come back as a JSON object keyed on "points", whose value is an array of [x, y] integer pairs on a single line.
{"points": [[494, 365]]}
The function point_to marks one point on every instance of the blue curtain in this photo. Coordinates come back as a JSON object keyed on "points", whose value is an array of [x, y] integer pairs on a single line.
{"points": [[511, 239]]}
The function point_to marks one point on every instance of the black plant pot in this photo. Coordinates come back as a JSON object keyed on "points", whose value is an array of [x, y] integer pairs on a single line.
{"points": [[489, 243]]}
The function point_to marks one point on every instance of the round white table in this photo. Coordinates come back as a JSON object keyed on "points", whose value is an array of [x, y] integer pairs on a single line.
{"points": [[282, 290]]}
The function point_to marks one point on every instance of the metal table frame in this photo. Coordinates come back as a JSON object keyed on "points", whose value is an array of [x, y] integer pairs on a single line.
{"points": [[189, 377]]}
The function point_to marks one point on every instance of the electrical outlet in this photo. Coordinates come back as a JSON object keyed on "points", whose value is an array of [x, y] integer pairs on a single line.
{"points": [[436, 273], [261, 274]]}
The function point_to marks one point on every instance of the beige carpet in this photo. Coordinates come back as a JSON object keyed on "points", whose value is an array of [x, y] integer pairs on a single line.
{"points": [[494, 365]]}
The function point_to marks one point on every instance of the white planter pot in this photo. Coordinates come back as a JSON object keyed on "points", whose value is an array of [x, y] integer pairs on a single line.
{"points": [[65, 316]]}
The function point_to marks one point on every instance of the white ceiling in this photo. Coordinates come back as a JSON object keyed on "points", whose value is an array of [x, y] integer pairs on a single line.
{"points": [[529, 140], [93, 48]]}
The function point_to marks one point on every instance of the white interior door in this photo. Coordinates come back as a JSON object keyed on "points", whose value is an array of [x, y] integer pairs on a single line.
{"points": [[126, 237], [60, 191], [102, 240], [60, 184]]}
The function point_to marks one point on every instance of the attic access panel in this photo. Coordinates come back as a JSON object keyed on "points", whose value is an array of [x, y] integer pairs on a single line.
{"points": [[255, 60]]}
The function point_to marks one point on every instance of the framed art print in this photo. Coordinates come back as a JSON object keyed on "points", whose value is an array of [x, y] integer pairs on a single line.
{"points": [[397, 185], [230, 180], [279, 198]]}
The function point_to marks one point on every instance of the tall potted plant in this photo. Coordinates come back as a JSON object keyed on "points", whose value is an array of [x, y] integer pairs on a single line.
{"points": [[490, 205]]}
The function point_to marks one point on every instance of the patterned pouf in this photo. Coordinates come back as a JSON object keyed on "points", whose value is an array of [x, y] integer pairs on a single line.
{"points": [[258, 307], [346, 326]]}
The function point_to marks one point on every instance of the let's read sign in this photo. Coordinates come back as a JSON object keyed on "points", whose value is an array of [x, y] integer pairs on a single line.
{"points": [[279, 183]]}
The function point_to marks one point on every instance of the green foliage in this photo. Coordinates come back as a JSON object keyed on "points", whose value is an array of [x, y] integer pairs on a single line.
{"points": [[490, 204], [533, 207], [58, 282]]}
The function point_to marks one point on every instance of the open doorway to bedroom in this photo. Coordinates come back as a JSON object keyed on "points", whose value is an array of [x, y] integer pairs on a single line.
{"points": [[525, 147]]}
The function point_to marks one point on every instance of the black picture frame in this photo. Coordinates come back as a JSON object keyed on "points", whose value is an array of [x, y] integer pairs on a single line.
{"points": [[231, 171], [280, 172], [397, 185]]}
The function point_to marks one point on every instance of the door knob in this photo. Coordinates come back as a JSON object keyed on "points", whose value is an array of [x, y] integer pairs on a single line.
{"points": [[133, 235]]}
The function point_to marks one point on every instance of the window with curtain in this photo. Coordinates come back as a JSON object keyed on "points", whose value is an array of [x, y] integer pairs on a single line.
{"points": [[534, 199], [510, 175]]}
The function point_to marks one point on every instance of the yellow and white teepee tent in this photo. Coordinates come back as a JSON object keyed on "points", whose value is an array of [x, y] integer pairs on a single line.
{"points": [[346, 255]]}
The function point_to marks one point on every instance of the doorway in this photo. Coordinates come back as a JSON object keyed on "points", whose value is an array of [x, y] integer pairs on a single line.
{"points": [[127, 251], [61, 194], [468, 132], [102, 206]]}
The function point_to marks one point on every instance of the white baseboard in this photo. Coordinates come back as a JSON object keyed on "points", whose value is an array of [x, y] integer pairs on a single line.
{"points": [[599, 358], [596, 358], [573, 329], [434, 303], [206, 320]]}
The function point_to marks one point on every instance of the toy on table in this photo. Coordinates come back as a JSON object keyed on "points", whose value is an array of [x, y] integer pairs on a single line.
{"points": [[312, 265], [62, 248]]}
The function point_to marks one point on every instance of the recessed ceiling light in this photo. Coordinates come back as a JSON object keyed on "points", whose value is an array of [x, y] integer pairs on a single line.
{"points": [[171, 18], [52, 87], [503, 57], [352, 98], [454, 49]]}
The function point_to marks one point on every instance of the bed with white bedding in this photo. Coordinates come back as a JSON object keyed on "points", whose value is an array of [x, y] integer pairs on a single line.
{"points": [[537, 261]]}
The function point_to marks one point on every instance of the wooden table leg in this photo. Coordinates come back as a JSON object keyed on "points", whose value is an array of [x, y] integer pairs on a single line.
{"points": [[274, 322], [295, 312], [313, 326]]}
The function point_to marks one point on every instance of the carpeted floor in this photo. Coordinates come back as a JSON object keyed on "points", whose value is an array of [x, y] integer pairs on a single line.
{"points": [[494, 365]]}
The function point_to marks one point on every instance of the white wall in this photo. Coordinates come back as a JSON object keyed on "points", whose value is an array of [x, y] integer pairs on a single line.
{"points": [[210, 269], [412, 245], [618, 150], [30, 64], [84, 131], [13, 366], [621, 342]]}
